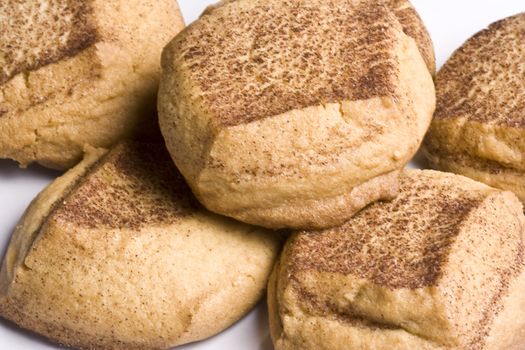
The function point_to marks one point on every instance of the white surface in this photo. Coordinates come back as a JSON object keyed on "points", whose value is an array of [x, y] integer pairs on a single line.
{"points": [[450, 23]]}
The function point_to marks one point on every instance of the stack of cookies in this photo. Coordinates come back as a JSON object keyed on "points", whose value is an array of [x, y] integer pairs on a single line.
{"points": [[285, 128]]}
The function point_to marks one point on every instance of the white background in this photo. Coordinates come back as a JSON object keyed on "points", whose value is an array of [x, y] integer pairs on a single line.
{"points": [[450, 23]]}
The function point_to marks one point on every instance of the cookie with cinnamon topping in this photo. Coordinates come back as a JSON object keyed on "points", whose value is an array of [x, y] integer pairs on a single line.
{"points": [[296, 114], [478, 129], [118, 254], [78, 72], [442, 266]]}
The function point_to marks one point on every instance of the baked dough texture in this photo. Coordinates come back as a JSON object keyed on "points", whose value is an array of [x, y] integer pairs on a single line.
{"points": [[410, 20], [117, 254], [78, 72], [439, 267], [479, 125], [294, 114]]}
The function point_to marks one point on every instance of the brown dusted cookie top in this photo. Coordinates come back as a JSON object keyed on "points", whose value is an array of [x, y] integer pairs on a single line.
{"points": [[36, 33], [414, 27], [409, 19], [483, 80], [136, 184], [399, 244], [253, 59]]}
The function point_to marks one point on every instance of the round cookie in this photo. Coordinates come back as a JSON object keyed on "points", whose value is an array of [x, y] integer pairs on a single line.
{"points": [[117, 254], [479, 125], [294, 114], [76, 73], [439, 267]]}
